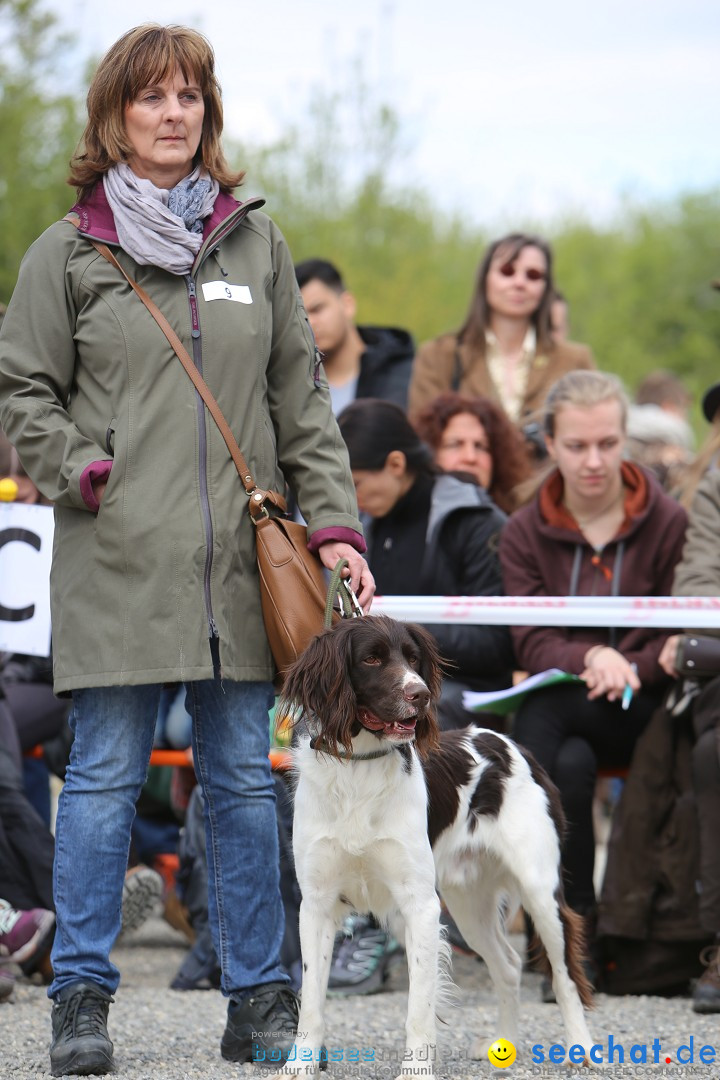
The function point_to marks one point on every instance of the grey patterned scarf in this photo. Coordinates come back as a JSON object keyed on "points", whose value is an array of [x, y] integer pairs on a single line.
{"points": [[159, 227]]}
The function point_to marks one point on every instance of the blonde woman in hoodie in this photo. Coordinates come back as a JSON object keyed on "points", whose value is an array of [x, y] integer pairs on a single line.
{"points": [[598, 526]]}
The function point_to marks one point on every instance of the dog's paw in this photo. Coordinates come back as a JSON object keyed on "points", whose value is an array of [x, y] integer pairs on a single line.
{"points": [[479, 1048]]}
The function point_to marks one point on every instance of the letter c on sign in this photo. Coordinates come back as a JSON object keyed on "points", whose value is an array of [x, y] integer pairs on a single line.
{"points": [[21, 536]]}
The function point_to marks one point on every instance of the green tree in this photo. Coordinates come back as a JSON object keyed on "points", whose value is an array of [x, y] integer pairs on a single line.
{"points": [[638, 288], [337, 184], [332, 184], [39, 128]]}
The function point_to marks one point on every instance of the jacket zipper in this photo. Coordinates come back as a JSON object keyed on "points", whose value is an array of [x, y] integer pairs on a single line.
{"points": [[204, 497]]}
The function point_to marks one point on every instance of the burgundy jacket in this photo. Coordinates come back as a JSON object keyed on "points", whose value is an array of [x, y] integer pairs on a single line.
{"points": [[543, 553]]}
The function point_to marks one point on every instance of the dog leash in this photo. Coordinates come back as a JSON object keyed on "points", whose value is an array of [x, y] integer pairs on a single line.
{"points": [[341, 587]]}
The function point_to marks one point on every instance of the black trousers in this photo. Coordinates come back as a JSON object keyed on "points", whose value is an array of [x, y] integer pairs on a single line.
{"points": [[571, 737], [26, 845]]}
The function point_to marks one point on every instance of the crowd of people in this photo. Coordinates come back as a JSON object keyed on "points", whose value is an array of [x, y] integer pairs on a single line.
{"points": [[493, 459]]}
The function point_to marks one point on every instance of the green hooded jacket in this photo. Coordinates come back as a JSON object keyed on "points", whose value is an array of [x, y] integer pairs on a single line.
{"points": [[139, 588]]}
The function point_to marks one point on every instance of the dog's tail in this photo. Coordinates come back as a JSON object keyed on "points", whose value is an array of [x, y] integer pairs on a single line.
{"points": [[576, 951]]}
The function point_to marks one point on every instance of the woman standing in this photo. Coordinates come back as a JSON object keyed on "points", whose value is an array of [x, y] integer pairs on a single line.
{"points": [[505, 349], [599, 526], [154, 576]]}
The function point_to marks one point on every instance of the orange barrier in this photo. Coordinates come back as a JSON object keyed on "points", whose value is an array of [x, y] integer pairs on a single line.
{"points": [[279, 757]]}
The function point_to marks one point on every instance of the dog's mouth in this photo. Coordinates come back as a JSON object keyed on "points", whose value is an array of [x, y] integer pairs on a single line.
{"points": [[391, 729]]}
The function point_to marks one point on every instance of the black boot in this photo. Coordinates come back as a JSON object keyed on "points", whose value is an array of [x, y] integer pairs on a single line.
{"points": [[262, 1027], [80, 1042]]}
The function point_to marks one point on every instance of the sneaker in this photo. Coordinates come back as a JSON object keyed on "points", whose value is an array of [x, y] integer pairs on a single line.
{"points": [[262, 1026], [142, 891], [25, 936], [360, 957], [80, 1043], [706, 995]]}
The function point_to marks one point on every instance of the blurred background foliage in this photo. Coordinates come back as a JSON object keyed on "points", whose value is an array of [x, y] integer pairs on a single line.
{"points": [[638, 287]]}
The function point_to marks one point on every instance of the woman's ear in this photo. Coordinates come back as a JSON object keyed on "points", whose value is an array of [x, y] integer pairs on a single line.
{"points": [[396, 463]]}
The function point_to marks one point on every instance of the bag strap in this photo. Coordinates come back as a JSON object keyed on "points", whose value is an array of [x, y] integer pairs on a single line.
{"points": [[257, 495]]}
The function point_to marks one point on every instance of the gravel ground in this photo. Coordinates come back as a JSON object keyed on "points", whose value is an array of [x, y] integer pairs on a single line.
{"points": [[161, 1034]]}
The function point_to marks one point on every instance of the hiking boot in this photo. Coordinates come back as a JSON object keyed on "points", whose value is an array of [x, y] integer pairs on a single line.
{"points": [[142, 891], [361, 954], [25, 936], [80, 1043], [706, 995], [262, 1026]]}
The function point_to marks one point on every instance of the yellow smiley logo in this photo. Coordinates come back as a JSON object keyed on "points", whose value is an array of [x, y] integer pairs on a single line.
{"points": [[501, 1054]]}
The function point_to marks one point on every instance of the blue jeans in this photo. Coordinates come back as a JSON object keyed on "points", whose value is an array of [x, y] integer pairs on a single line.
{"points": [[114, 727]]}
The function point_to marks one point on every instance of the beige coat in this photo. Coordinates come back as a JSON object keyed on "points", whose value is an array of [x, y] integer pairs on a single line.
{"points": [[436, 364]]}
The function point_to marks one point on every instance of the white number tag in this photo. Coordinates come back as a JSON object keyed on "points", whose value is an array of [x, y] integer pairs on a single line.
{"points": [[223, 290]]}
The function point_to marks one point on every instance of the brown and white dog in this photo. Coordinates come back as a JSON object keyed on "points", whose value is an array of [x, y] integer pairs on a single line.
{"points": [[388, 811]]}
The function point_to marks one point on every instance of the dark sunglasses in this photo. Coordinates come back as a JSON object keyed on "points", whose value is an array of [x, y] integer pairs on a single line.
{"points": [[508, 270]]}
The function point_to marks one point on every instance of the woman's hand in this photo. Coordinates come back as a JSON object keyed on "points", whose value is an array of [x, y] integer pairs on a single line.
{"points": [[98, 487], [362, 581], [607, 673], [668, 656]]}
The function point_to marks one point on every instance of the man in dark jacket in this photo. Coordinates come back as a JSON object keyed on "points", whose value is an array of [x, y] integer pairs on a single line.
{"points": [[359, 361]]}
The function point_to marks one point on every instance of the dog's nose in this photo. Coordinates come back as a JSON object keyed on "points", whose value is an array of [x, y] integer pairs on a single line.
{"points": [[417, 694]]}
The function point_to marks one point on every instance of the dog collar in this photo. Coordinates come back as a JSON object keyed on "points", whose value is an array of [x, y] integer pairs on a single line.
{"points": [[315, 744]]}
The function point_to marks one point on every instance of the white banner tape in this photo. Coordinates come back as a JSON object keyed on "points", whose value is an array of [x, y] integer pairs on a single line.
{"points": [[663, 612]]}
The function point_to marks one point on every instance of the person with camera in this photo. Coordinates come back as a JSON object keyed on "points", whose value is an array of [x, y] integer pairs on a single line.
{"points": [[506, 349]]}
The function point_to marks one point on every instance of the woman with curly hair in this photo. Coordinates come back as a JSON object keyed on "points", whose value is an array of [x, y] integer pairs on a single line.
{"points": [[474, 436]]}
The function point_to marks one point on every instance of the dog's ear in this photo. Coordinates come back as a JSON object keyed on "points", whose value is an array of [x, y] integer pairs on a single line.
{"points": [[427, 732], [319, 684], [430, 659]]}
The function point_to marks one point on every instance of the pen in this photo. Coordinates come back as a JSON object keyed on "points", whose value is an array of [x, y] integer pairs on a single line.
{"points": [[627, 694]]}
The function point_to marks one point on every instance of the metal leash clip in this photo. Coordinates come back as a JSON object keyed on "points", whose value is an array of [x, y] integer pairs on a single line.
{"points": [[357, 611]]}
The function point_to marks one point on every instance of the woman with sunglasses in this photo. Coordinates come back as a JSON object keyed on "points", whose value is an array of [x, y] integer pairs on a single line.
{"points": [[506, 348]]}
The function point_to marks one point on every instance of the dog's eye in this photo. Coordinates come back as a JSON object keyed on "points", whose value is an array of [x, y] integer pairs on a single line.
{"points": [[373, 661], [413, 661]]}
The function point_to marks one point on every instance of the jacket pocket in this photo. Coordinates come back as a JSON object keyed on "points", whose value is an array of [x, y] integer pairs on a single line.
{"points": [[110, 437], [316, 367]]}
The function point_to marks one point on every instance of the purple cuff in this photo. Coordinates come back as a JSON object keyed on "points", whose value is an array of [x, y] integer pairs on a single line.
{"points": [[96, 470], [340, 535]]}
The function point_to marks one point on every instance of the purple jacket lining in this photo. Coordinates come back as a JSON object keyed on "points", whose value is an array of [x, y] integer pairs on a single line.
{"points": [[96, 470]]}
